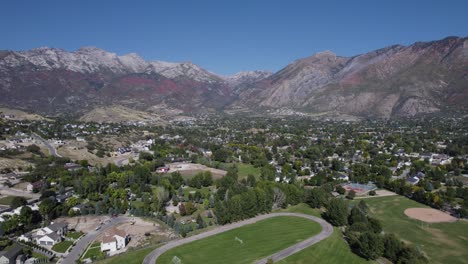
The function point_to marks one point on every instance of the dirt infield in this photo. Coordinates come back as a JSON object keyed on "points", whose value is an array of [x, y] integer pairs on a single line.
{"points": [[429, 215], [190, 169]]}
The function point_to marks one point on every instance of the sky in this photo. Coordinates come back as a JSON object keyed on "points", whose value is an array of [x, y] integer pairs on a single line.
{"points": [[226, 37]]}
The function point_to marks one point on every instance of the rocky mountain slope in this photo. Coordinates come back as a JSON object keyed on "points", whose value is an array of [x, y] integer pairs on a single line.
{"points": [[426, 77], [55, 81]]}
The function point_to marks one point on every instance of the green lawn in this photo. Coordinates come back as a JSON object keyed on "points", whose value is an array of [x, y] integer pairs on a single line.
{"points": [[442, 242], [6, 200], [204, 191], [259, 240], [62, 246], [130, 257], [331, 250], [38, 256], [246, 169], [93, 251], [74, 235]]}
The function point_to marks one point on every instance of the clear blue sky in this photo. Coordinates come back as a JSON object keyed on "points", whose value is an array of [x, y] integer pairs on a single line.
{"points": [[232, 35]]}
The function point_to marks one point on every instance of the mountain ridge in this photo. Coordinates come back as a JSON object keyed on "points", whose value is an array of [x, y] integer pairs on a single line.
{"points": [[422, 78]]}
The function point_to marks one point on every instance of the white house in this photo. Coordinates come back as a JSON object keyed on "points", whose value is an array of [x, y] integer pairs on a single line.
{"points": [[49, 239], [52, 234], [114, 240]]}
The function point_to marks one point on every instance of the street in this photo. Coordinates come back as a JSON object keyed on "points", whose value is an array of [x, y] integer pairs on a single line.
{"points": [[52, 149], [83, 243]]}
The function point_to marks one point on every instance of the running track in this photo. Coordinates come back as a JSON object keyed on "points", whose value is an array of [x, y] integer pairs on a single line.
{"points": [[327, 230]]}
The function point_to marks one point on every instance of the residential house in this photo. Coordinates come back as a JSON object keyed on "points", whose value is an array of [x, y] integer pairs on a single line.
{"points": [[162, 170], [413, 180], [114, 240], [35, 186], [427, 156], [342, 177], [9, 256], [59, 228], [63, 197], [78, 208], [51, 234], [49, 239], [70, 166]]}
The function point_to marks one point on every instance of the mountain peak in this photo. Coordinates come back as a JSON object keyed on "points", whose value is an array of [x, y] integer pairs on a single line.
{"points": [[90, 49]]}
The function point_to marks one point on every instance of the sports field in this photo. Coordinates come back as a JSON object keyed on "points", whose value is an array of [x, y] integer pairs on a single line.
{"points": [[441, 242], [245, 244], [332, 250]]}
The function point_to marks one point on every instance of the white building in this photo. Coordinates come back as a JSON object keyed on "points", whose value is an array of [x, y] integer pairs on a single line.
{"points": [[114, 240], [49, 239], [52, 234]]}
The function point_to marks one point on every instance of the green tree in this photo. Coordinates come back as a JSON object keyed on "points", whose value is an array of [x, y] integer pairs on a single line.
{"points": [[46, 207], [357, 216], [26, 215], [392, 247], [337, 212], [351, 194], [17, 202], [316, 197], [369, 245]]}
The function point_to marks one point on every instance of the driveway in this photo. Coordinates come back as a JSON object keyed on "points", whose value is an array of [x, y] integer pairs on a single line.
{"points": [[327, 230], [52, 149], [83, 243]]}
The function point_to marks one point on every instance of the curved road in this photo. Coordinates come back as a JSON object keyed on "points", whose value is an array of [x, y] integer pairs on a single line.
{"points": [[52, 149], [327, 230], [83, 243]]}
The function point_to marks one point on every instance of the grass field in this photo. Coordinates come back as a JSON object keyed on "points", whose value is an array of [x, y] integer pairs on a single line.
{"points": [[442, 242], [259, 240], [204, 191], [329, 251], [93, 251], [74, 235], [6, 200], [130, 257], [246, 169], [62, 246]]}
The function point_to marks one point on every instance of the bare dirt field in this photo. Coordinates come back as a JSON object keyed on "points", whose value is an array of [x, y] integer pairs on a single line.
{"points": [[21, 115], [14, 164], [190, 169], [77, 151], [117, 114], [84, 223], [136, 231], [141, 227], [429, 215]]}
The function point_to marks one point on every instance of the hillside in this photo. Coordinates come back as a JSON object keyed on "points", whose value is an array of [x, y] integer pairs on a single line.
{"points": [[423, 78], [426, 77]]}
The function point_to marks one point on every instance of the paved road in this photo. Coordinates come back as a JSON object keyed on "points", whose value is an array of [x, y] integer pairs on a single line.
{"points": [[83, 243], [18, 192], [49, 146], [121, 161], [327, 230]]}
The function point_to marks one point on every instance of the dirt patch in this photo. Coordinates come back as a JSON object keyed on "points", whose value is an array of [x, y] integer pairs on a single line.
{"points": [[141, 232], [190, 169], [84, 224], [77, 151], [429, 215], [15, 164]]}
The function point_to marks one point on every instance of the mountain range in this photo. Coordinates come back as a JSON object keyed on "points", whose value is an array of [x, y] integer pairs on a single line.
{"points": [[396, 81]]}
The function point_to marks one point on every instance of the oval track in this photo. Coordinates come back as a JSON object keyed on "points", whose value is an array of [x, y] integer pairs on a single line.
{"points": [[327, 230]]}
